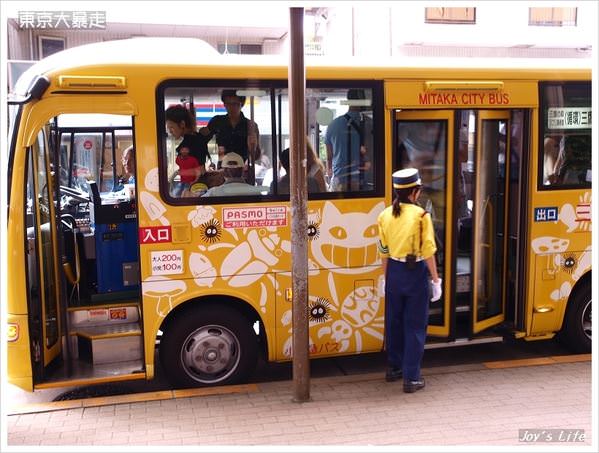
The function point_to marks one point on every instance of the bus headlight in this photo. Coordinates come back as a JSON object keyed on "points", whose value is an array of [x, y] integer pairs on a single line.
{"points": [[13, 332]]}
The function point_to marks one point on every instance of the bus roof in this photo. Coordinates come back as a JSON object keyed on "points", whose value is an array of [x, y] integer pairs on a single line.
{"points": [[194, 53]]}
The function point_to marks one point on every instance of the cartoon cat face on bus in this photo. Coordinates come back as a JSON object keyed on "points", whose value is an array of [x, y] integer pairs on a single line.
{"points": [[346, 241]]}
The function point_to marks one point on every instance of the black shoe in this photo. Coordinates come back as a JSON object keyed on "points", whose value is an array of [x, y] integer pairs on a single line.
{"points": [[413, 386], [393, 374]]}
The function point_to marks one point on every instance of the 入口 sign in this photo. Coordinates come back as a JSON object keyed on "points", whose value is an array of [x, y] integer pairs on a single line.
{"points": [[154, 235]]}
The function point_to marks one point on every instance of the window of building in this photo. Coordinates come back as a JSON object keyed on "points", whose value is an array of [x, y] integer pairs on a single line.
{"points": [[240, 49], [226, 48], [565, 151], [340, 132], [250, 49], [452, 15], [553, 17], [49, 45]]}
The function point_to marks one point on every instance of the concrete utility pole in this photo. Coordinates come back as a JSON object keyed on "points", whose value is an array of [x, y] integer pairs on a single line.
{"points": [[299, 195]]}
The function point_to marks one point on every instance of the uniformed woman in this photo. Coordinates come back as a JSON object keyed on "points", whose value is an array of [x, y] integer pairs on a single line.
{"points": [[407, 248]]}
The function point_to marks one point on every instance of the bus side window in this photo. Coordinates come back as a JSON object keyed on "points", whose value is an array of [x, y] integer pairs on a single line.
{"points": [[224, 120], [573, 165], [341, 132], [565, 160]]}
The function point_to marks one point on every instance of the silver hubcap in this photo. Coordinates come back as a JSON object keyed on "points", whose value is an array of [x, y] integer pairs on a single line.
{"points": [[586, 320], [210, 354]]}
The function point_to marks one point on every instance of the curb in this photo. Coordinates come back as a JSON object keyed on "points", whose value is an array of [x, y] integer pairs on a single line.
{"points": [[130, 398], [252, 388]]}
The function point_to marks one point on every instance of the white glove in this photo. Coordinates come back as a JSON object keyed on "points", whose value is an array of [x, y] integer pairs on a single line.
{"points": [[437, 291]]}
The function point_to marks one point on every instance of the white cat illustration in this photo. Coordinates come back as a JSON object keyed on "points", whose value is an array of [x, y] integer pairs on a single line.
{"points": [[346, 242]]}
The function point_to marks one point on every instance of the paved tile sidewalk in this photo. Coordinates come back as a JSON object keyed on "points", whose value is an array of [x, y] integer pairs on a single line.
{"points": [[459, 406]]}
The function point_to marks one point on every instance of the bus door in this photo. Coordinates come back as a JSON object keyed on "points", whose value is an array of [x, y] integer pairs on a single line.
{"points": [[42, 267], [486, 218], [461, 156], [82, 253], [425, 141], [489, 221]]}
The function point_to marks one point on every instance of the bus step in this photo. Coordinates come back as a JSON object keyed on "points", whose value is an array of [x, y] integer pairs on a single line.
{"points": [[463, 342], [85, 317], [110, 343]]}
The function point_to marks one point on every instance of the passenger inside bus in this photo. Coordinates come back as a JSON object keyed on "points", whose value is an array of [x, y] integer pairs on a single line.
{"points": [[283, 185], [403, 155], [128, 160], [234, 184], [315, 167], [234, 131], [573, 162], [189, 170], [180, 125], [348, 154], [551, 151]]}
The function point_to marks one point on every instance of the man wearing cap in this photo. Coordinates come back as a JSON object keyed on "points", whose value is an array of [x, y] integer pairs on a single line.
{"points": [[234, 184], [407, 248]]}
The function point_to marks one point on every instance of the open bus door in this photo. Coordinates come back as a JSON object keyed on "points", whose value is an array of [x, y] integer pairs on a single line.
{"points": [[490, 219], [42, 252], [463, 158], [425, 141], [84, 303]]}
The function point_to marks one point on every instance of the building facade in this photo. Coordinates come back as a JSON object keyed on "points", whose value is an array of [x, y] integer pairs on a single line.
{"points": [[388, 30]]}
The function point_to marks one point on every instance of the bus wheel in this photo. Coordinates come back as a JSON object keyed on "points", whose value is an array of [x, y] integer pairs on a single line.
{"points": [[578, 322], [208, 346]]}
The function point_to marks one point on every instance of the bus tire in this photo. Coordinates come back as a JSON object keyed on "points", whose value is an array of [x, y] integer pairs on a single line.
{"points": [[209, 345], [577, 326]]}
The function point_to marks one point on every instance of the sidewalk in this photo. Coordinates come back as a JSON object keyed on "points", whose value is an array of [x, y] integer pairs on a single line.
{"points": [[462, 405]]}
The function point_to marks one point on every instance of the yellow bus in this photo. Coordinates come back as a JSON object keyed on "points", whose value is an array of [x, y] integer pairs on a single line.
{"points": [[107, 276]]}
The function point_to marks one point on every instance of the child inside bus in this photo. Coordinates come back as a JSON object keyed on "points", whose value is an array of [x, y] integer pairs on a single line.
{"points": [[189, 170]]}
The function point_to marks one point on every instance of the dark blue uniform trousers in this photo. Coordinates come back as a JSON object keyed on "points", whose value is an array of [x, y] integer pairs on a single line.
{"points": [[407, 295]]}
